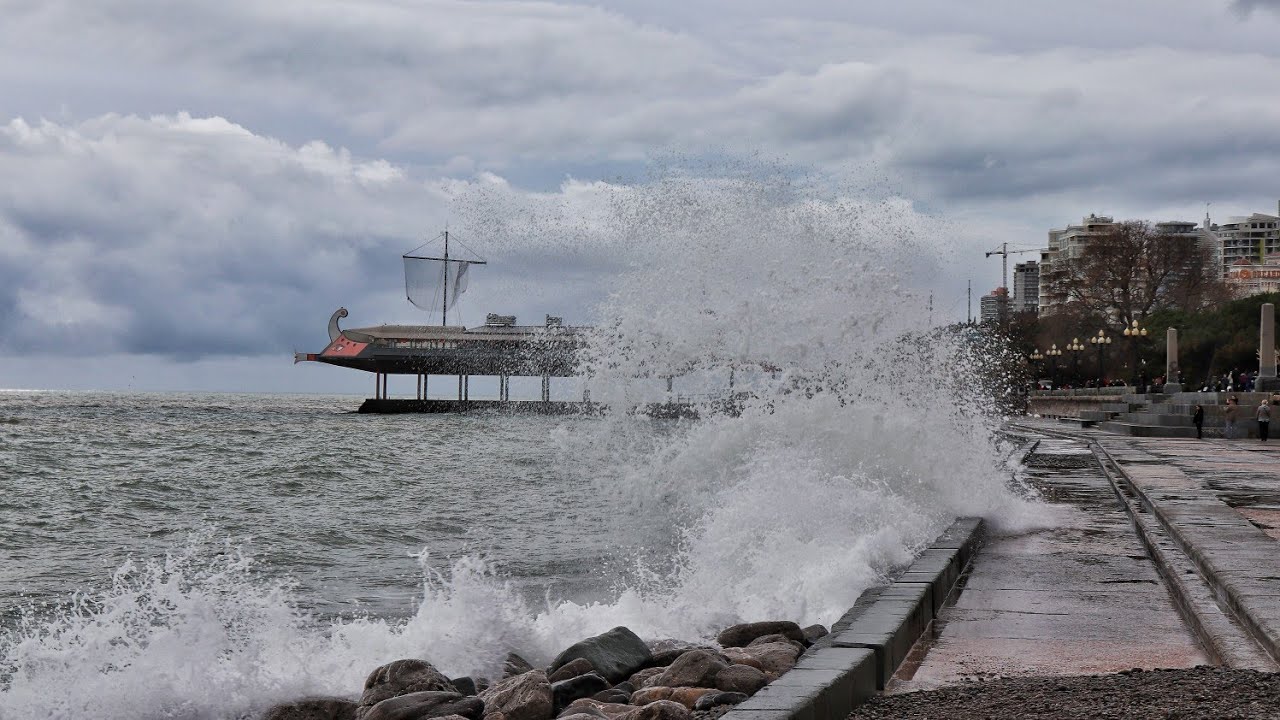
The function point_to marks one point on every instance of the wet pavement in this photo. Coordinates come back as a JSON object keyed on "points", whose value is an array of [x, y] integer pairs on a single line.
{"points": [[1081, 598]]}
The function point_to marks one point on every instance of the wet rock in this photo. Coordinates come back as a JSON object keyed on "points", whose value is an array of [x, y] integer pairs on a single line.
{"points": [[697, 668], [738, 656], [571, 669], [613, 695], [583, 716], [465, 685], [402, 677], [741, 679], [767, 639], [641, 678], [515, 665], [740, 635], [665, 652], [662, 710], [523, 697], [587, 705], [426, 704], [688, 696], [320, 708], [615, 654], [814, 633], [714, 699], [625, 686], [652, 694], [775, 658], [582, 686]]}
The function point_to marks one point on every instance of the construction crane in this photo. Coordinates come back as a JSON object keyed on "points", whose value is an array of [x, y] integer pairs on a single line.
{"points": [[1004, 252]]}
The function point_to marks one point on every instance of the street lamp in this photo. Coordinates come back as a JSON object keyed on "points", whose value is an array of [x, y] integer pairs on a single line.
{"points": [[1054, 353], [1102, 340], [1133, 332], [1075, 346], [1036, 358]]}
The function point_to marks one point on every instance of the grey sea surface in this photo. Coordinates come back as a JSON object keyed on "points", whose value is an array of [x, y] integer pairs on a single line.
{"points": [[336, 502]]}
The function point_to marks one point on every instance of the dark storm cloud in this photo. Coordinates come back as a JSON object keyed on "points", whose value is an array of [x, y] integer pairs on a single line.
{"points": [[1245, 7]]}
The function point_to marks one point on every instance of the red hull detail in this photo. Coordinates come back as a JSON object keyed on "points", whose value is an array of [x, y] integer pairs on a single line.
{"points": [[342, 347]]}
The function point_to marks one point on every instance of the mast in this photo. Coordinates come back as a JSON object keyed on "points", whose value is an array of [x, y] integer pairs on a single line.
{"points": [[444, 300]]}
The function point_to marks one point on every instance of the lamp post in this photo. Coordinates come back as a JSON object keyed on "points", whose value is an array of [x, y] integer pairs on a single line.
{"points": [[1036, 359], [1133, 332], [1102, 340], [1054, 353], [1075, 346]]}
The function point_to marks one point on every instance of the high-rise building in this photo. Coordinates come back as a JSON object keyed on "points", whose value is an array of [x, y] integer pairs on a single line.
{"points": [[1026, 287], [1065, 246], [989, 305], [1254, 239]]}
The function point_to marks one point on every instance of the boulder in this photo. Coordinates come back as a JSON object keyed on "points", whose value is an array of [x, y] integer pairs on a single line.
{"points": [[588, 705], [319, 708], [695, 668], [426, 704], [710, 700], [625, 687], [775, 658], [814, 633], [582, 686], [741, 679], [582, 716], [738, 656], [615, 654], [767, 639], [612, 695], [402, 677], [571, 669], [523, 697], [662, 710], [465, 685], [515, 665], [641, 678], [740, 635], [665, 652], [645, 696], [687, 696]]}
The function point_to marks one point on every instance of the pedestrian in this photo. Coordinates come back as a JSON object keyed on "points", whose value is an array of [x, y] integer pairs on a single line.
{"points": [[1229, 415], [1264, 420], [1198, 418]]}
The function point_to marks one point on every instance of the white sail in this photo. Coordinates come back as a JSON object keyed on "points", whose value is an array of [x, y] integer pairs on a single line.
{"points": [[458, 282]]}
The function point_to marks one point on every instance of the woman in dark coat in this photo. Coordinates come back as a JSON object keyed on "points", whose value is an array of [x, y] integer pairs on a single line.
{"points": [[1197, 417]]}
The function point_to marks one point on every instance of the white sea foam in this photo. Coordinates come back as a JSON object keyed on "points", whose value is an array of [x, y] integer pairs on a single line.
{"points": [[867, 439]]}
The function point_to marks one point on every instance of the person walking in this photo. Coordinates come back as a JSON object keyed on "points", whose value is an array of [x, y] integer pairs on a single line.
{"points": [[1197, 417], [1229, 416], [1264, 420]]}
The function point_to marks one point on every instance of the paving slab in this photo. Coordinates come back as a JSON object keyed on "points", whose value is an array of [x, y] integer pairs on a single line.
{"points": [[1082, 597]]}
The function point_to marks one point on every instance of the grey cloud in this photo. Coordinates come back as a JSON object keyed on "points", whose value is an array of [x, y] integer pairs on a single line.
{"points": [[1246, 7]]}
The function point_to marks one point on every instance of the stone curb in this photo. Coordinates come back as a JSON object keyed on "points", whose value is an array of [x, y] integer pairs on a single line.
{"points": [[857, 660]]}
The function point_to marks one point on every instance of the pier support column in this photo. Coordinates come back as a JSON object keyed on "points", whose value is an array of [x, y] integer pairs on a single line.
{"points": [[377, 386], [1172, 376], [466, 388], [671, 381], [546, 388], [1267, 381], [459, 388], [426, 381], [504, 388]]}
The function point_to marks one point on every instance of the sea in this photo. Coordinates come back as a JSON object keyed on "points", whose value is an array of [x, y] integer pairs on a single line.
{"points": [[202, 556]]}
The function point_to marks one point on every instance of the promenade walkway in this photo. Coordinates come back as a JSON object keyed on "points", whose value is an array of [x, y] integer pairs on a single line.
{"points": [[1082, 597]]}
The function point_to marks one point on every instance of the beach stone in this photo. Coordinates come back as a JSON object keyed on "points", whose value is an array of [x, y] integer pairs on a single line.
{"points": [[402, 677], [615, 654], [641, 678], [319, 708], [613, 695], [651, 694], [625, 686], [665, 652], [767, 639], [426, 704], [775, 658], [738, 656], [695, 668], [714, 699], [740, 635], [571, 669], [465, 685], [814, 633], [515, 665], [662, 710], [523, 697], [688, 696], [583, 716], [582, 686], [607, 710], [741, 679]]}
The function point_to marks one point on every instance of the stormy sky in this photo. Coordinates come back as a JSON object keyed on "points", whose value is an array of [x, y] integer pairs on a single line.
{"points": [[188, 190]]}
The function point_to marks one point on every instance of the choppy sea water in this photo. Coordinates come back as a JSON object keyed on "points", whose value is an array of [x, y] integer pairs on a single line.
{"points": [[204, 556]]}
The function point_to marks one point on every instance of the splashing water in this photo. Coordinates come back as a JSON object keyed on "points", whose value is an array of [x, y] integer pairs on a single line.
{"points": [[858, 434]]}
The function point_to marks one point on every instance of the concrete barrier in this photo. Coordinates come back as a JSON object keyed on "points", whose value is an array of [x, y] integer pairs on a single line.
{"points": [[870, 641]]}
